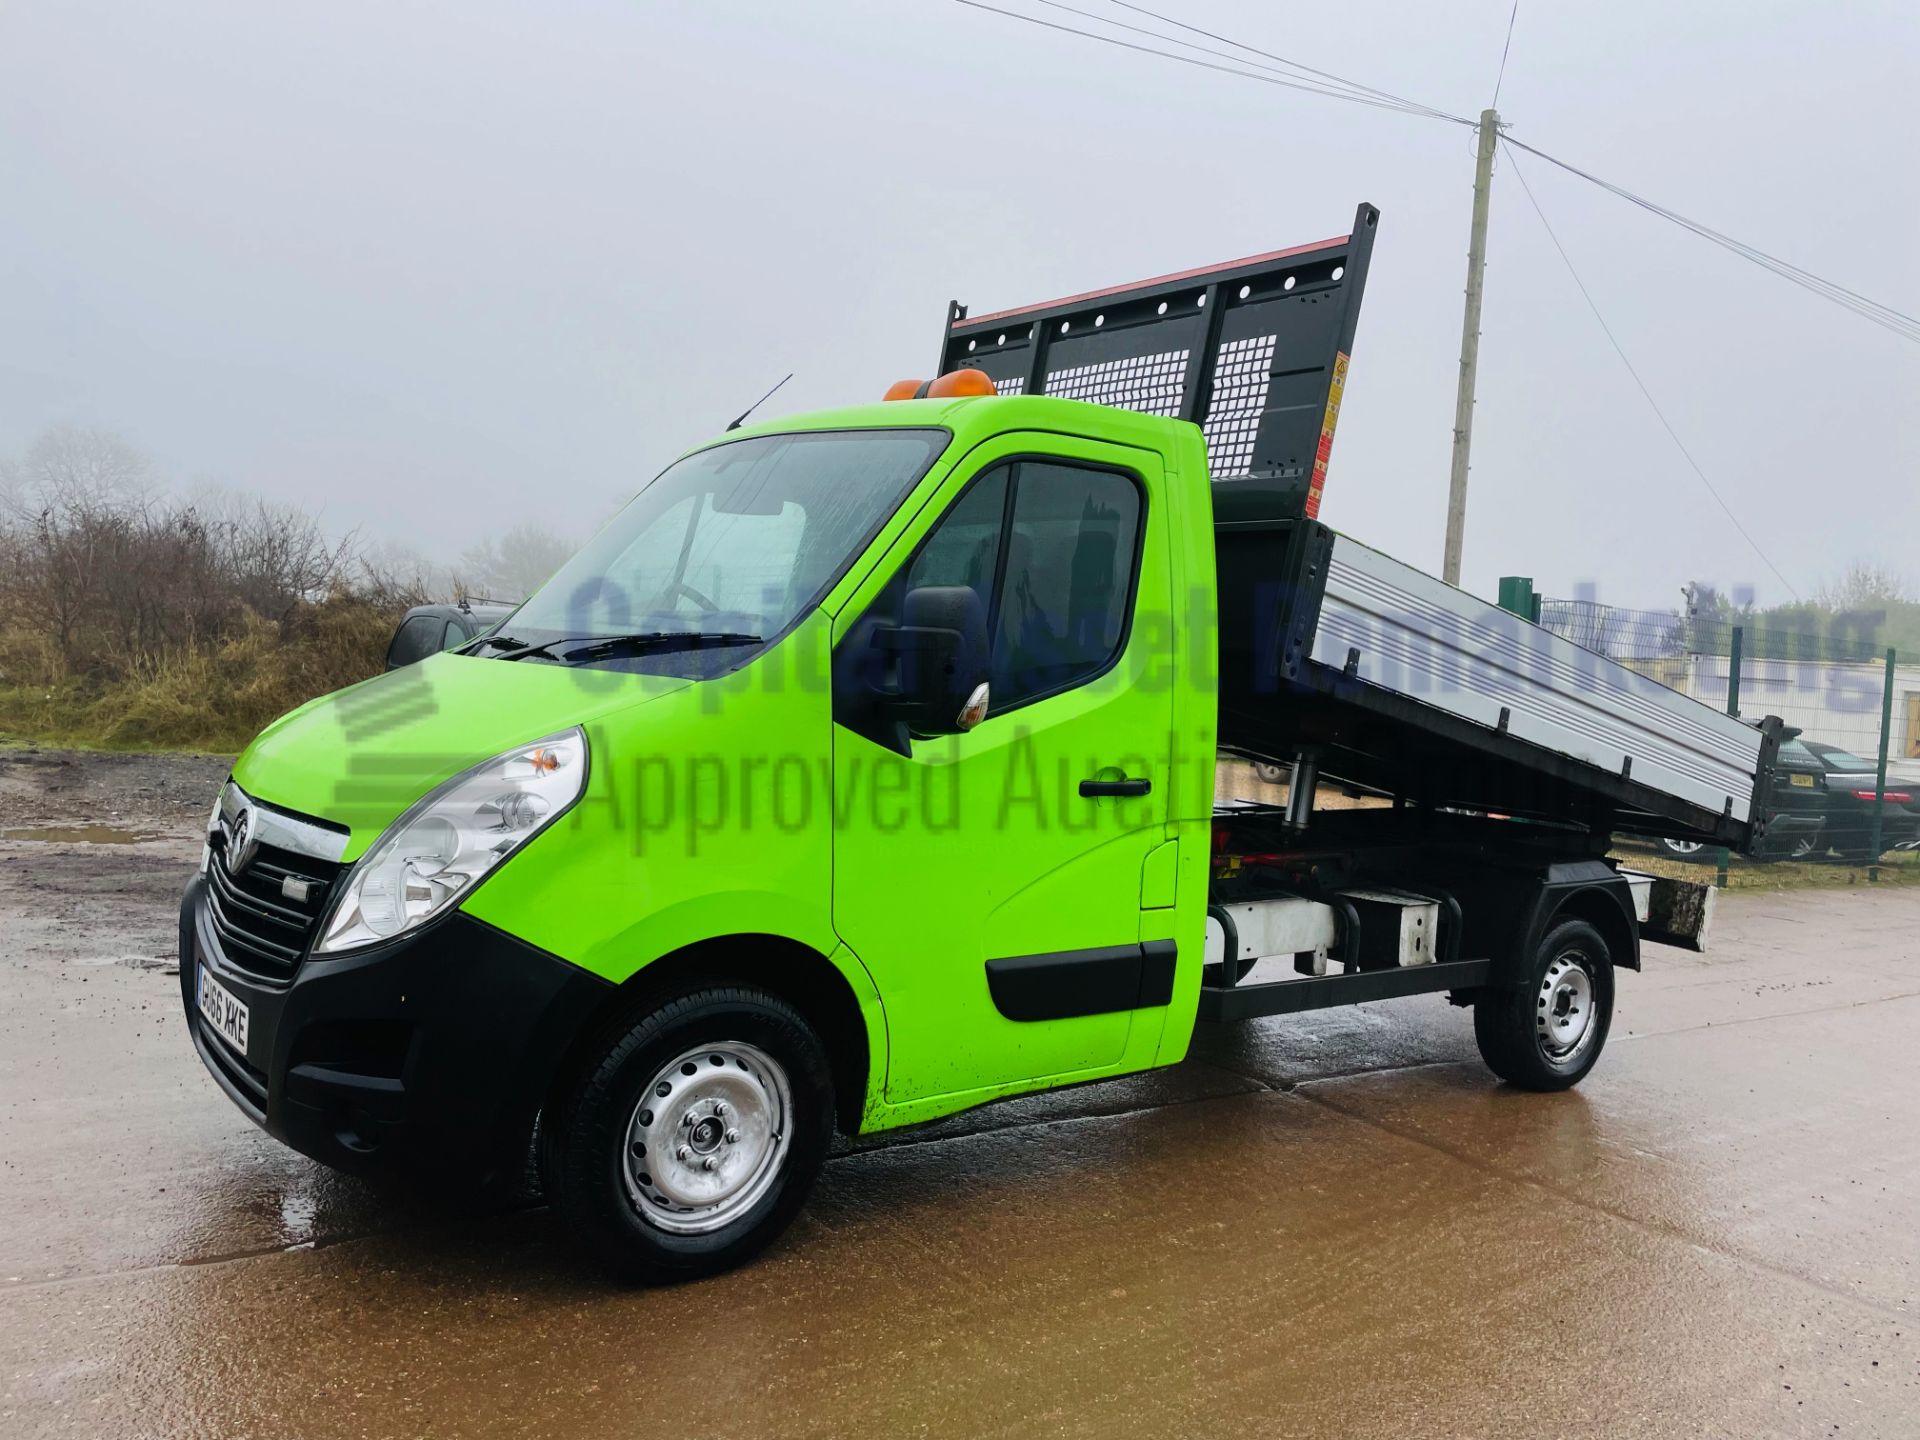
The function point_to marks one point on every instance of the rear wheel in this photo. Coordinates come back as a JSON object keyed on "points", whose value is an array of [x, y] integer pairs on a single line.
{"points": [[694, 1135], [1548, 1034]]}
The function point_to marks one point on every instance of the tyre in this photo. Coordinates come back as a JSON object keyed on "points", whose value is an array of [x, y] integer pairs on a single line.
{"points": [[1547, 1035], [1682, 849], [693, 1136]]}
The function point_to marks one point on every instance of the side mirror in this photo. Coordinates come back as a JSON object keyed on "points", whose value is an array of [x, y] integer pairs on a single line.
{"points": [[940, 654]]}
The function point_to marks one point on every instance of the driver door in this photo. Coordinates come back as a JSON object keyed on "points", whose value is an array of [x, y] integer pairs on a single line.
{"points": [[991, 881]]}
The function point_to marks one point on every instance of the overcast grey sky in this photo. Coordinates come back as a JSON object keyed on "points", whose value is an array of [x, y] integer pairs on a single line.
{"points": [[441, 268]]}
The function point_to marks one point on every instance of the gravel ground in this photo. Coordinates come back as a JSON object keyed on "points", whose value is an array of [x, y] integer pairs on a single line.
{"points": [[162, 793]]}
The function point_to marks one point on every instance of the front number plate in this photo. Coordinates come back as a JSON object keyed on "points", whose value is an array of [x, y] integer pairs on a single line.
{"points": [[223, 1012]]}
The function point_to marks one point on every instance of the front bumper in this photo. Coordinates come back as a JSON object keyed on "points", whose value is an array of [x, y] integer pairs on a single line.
{"points": [[437, 1050]]}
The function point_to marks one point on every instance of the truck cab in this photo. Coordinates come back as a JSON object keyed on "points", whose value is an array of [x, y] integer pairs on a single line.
{"points": [[862, 770]]}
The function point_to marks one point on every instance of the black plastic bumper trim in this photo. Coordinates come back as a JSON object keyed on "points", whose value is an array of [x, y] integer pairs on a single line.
{"points": [[435, 1051]]}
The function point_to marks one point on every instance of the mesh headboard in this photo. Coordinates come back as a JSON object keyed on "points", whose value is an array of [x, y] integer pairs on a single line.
{"points": [[1253, 351]]}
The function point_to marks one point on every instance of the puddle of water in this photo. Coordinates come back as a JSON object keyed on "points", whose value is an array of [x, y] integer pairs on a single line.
{"points": [[80, 835]]}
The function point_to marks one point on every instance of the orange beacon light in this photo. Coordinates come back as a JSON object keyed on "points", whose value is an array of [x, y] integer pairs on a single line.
{"points": [[952, 386]]}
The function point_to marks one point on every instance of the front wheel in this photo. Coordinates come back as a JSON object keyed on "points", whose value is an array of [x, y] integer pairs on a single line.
{"points": [[1547, 1035], [694, 1136], [1682, 849]]}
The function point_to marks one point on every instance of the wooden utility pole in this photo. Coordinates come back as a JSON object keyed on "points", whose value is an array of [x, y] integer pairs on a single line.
{"points": [[1469, 347]]}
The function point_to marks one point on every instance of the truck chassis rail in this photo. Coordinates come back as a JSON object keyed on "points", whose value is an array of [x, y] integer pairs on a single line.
{"points": [[1223, 1003]]}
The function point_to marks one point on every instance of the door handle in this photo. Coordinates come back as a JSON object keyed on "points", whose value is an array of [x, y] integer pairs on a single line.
{"points": [[1093, 789]]}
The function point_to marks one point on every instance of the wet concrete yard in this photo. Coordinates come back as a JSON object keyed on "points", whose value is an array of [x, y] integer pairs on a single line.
{"points": [[1325, 1225]]}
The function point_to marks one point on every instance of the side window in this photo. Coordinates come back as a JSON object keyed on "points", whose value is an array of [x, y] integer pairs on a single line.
{"points": [[455, 635], [415, 640], [964, 548], [1068, 580], [1050, 548]]}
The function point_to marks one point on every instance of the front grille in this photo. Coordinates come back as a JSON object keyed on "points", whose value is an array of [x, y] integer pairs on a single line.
{"points": [[263, 928]]}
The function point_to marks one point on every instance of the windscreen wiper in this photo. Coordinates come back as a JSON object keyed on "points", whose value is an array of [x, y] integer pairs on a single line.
{"points": [[481, 642], [645, 642]]}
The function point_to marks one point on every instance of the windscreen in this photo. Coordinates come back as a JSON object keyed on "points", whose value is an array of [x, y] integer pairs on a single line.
{"points": [[734, 542]]}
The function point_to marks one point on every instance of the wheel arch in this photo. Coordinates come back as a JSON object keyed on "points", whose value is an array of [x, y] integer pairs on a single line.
{"points": [[813, 983], [1604, 909], [1509, 913]]}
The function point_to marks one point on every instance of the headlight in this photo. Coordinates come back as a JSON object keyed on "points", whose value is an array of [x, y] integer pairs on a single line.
{"points": [[440, 849]]}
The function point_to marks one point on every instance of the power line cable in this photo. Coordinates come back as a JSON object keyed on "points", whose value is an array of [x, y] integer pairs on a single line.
{"points": [[1512, 16], [1350, 86], [1269, 79], [1886, 316], [1900, 323], [1291, 64], [1653, 404]]}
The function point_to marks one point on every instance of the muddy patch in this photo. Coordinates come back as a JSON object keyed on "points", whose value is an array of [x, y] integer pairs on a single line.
{"points": [[79, 835], [76, 789]]}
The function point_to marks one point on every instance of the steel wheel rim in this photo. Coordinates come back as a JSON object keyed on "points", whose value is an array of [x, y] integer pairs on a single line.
{"points": [[1685, 847], [1565, 1015], [708, 1138]]}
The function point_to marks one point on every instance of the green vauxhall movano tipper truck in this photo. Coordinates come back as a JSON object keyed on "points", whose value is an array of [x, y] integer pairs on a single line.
{"points": [[863, 769]]}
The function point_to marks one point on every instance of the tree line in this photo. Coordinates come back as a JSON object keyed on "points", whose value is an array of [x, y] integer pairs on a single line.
{"points": [[1854, 618]]}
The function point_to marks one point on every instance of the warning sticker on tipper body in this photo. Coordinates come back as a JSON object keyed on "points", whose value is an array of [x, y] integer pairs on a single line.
{"points": [[1325, 447]]}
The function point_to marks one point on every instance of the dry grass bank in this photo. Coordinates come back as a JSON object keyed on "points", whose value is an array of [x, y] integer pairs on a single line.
{"points": [[212, 698]]}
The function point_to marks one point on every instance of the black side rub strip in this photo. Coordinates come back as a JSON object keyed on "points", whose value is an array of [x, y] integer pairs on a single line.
{"points": [[1066, 983]]}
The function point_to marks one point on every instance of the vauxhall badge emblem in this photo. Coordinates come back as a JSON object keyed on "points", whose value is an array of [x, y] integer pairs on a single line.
{"points": [[242, 843]]}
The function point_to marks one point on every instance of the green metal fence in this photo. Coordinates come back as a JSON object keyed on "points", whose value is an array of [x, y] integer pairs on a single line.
{"points": [[1833, 680]]}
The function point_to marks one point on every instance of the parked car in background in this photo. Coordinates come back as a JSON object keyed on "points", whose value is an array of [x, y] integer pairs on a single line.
{"points": [[1849, 782], [428, 629], [1901, 774], [1822, 803], [1796, 808]]}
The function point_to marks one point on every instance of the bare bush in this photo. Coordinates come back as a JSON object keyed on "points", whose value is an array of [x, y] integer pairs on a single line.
{"points": [[402, 575], [273, 557], [72, 505], [132, 617]]}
